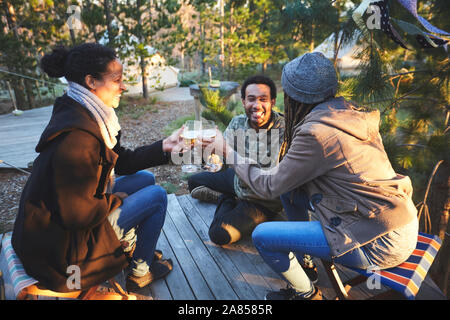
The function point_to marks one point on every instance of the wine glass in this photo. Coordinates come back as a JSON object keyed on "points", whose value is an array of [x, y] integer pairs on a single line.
{"points": [[213, 162], [190, 133]]}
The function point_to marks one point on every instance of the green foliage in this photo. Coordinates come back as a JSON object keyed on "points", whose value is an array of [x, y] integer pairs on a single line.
{"points": [[411, 90], [215, 102], [176, 124], [187, 78], [279, 103], [169, 187]]}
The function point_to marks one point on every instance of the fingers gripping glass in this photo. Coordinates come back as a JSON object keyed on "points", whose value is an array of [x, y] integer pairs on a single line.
{"points": [[193, 134]]}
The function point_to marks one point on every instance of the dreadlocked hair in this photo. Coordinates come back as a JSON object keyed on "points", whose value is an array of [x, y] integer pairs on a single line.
{"points": [[294, 113]]}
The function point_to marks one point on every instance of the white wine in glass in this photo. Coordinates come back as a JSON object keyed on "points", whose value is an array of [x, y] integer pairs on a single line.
{"points": [[208, 129], [190, 133], [213, 162]]}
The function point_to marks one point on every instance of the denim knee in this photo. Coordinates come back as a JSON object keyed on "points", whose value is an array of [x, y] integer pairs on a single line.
{"points": [[146, 176], [260, 234], [160, 196]]}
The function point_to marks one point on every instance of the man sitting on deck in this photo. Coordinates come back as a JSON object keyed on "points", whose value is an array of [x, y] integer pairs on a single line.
{"points": [[258, 132]]}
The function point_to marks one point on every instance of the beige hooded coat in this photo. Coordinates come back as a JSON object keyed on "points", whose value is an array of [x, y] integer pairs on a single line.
{"points": [[337, 156]]}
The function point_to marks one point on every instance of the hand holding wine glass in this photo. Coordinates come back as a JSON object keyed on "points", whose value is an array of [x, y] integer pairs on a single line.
{"points": [[190, 134], [174, 143]]}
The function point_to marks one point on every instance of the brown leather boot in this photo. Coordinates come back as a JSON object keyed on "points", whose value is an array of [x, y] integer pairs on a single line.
{"points": [[158, 269]]}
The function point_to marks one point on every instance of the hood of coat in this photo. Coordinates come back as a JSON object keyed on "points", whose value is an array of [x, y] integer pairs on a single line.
{"points": [[344, 116], [67, 115]]}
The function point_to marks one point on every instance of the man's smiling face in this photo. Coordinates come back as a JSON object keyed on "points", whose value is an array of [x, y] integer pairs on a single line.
{"points": [[258, 105]]}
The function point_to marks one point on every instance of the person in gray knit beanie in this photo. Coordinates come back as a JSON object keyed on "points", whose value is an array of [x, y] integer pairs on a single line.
{"points": [[310, 78], [333, 163]]}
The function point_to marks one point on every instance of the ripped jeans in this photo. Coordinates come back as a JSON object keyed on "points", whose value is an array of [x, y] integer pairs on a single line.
{"points": [[140, 218]]}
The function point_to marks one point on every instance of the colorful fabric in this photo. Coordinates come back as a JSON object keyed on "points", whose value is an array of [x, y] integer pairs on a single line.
{"points": [[430, 41], [425, 39], [386, 25], [411, 6], [407, 277], [20, 280]]}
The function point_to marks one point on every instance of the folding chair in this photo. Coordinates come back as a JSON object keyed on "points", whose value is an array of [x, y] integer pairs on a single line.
{"points": [[28, 288], [403, 280]]}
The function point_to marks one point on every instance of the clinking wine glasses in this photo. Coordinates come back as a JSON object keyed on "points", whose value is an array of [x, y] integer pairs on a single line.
{"points": [[194, 131]]}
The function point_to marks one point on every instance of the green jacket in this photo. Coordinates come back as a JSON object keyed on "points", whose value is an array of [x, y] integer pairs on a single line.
{"points": [[262, 147]]}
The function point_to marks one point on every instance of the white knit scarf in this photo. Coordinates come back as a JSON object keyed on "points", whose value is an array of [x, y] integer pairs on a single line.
{"points": [[105, 116]]}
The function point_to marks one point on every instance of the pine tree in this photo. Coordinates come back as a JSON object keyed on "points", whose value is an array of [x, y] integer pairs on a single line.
{"points": [[28, 30], [142, 25]]}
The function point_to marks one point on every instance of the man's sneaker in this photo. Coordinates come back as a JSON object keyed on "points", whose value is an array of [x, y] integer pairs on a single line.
{"points": [[206, 194], [312, 273], [291, 294]]}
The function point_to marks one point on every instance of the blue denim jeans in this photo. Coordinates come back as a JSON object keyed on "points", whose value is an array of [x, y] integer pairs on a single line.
{"points": [[140, 218], [275, 240]]}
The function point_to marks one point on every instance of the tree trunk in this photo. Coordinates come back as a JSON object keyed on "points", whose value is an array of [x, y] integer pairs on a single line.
{"points": [[182, 59], [18, 85], [144, 78], [19, 91], [202, 50], [30, 94], [264, 67], [230, 49], [91, 28], [335, 49], [107, 5], [71, 31], [222, 31], [96, 37]]}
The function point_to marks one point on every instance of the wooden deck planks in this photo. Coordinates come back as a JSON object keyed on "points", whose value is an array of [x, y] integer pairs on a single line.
{"points": [[257, 274], [205, 271], [19, 136], [211, 272], [175, 285], [234, 276], [184, 262]]}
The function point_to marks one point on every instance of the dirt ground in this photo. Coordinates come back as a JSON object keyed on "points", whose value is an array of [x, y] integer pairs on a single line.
{"points": [[146, 129]]}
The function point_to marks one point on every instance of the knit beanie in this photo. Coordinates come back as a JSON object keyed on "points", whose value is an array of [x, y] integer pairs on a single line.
{"points": [[310, 78]]}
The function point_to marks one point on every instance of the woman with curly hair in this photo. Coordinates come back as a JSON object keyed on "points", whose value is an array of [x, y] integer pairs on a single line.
{"points": [[73, 212]]}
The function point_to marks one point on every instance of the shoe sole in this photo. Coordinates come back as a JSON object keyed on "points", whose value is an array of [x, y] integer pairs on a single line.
{"points": [[166, 264], [215, 199]]}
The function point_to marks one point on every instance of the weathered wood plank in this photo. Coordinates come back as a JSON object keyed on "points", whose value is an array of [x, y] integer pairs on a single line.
{"points": [[270, 276], [176, 281], [430, 291], [19, 136], [245, 257], [233, 275], [211, 272], [203, 270], [184, 260], [160, 288]]}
